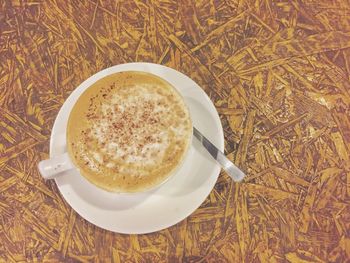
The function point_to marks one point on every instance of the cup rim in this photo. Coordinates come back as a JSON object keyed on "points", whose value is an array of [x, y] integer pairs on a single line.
{"points": [[170, 174]]}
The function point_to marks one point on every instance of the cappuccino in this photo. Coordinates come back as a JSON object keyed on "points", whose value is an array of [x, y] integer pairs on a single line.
{"points": [[129, 131]]}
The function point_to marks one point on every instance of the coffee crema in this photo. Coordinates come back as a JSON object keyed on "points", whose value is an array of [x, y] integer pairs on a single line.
{"points": [[129, 131]]}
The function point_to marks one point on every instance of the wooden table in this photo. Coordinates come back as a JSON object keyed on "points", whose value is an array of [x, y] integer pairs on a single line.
{"points": [[279, 75]]}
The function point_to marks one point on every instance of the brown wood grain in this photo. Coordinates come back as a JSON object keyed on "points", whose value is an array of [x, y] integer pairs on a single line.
{"points": [[279, 75]]}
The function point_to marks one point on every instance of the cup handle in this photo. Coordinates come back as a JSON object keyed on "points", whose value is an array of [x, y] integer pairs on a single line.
{"points": [[53, 167]]}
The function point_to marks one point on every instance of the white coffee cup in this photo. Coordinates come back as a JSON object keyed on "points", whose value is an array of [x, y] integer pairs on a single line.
{"points": [[56, 166]]}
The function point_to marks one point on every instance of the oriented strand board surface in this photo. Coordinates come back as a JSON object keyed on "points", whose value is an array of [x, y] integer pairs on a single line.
{"points": [[279, 74]]}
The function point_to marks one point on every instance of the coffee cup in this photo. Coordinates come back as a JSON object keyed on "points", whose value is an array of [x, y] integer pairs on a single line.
{"points": [[127, 132]]}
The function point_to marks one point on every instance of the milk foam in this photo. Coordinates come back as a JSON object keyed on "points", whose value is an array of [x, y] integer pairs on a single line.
{"points": [[130, 128]]}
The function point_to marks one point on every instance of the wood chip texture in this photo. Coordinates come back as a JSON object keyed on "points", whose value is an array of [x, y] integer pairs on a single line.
{"points": [[278, 73]]}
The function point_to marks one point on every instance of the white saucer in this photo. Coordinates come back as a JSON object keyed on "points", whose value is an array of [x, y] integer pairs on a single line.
{"points": [[165, 206]]}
